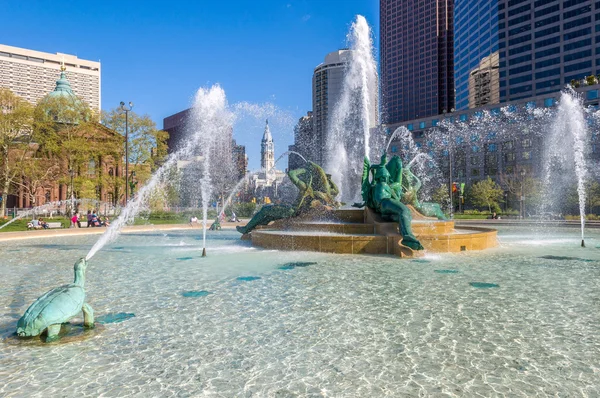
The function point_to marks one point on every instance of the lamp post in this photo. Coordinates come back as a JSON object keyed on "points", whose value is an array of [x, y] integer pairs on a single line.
{"points": [[522, 198], [450, 182], [72, 173], [126, 110]]}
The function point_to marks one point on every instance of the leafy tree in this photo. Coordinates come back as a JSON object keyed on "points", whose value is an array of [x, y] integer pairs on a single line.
{"points": [[69, 133], [486, 193], [593, 195], [16, 119], [441, 196], [37, 174], [147, 144]]}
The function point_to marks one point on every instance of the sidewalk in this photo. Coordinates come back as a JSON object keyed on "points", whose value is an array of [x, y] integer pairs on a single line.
{"points": [[48, 233], [526, 222]]}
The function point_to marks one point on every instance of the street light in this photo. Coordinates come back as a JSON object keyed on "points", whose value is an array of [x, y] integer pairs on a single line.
{"points": [[72, 173], [523, 172], [450, 182], [126, 110]]}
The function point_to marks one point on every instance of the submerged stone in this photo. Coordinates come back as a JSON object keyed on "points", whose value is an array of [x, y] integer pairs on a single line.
{"points": [[114, 318], [248, 278], [446, 271], [421, 261], [196, 293], [295, 264], [119, 248], [184, 258], [483, 285]]}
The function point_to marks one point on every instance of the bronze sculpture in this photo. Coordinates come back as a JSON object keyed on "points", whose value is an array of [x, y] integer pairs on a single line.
{"points": [[383, 193], [316, 188]]}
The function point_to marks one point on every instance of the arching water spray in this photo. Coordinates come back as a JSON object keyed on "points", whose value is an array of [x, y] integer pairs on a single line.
{"points": [[211, 118], [348, 138]]}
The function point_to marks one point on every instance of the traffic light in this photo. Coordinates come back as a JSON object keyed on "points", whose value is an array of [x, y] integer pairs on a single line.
{"points": [[454, 187]]}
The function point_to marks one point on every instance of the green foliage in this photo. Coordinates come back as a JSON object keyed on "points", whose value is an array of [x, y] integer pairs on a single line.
{"points": [[147, 144], [245, 210], [16, 121], [442, 197], [486, 193]]}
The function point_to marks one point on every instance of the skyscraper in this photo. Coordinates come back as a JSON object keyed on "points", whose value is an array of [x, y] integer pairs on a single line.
{"points": [[327, 85], [417, 58], [541, 45], [476, 63], [32, 74]]}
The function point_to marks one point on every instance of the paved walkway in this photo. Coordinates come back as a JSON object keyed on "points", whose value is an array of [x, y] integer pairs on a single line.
{"points": [[49, 233], [527, 222]]}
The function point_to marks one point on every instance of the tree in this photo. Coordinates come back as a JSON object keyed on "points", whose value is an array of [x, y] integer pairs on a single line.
{"points": [[592, 195], [69, 133], [520, 183], [37, 174], [147, 144], [441, 196], [486, 193], [16, 119]]}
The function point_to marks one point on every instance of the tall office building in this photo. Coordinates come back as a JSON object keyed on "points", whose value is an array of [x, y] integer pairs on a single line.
{"points": [[32, 74], [327, 84], [476, 59], [545, 44], [304, 142], [417, 58], [541, 46]]}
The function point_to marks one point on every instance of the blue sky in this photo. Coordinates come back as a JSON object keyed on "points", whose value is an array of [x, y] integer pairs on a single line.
{"points": [[157, 53]]}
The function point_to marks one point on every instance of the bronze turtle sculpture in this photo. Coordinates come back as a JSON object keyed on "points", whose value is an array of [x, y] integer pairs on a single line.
{"points": [[56, 307]]}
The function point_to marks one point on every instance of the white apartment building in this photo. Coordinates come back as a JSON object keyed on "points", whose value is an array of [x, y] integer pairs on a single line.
{"points": [[32, 74]]}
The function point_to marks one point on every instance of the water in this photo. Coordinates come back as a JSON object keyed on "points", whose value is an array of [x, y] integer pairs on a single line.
{"points": [[334, 325], [349, 137], [566, 149], [212, 121]]}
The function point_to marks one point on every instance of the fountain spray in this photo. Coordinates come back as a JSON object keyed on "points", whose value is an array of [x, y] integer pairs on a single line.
{"points": [[212, 121], [354, 114], [566, 148]]}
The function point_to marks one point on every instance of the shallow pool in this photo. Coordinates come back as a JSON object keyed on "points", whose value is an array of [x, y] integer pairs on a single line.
{"points": [[522, 319]]}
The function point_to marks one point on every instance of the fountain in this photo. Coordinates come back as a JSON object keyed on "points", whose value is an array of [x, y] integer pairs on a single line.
{"points": [[304, 320], [349, 135], [566, 147]]}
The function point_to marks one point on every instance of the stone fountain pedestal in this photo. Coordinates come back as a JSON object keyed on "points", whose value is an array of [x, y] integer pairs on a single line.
{"points": [[356, 231]]}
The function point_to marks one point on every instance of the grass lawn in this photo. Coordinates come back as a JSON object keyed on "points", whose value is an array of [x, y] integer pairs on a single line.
{"points": [[21, 225]]}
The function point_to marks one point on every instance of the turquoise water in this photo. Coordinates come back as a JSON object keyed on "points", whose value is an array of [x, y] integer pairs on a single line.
{"points": [[247, 322]]}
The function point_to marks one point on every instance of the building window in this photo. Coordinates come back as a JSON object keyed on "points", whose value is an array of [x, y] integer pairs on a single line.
{"points": [[509, 157], [548, 102], [475, 172], [422, 125], [410, 127], [463, 118], [526, 155], [526, 143], [394, 149], [592, 94], [91, 167], [434, 122]]}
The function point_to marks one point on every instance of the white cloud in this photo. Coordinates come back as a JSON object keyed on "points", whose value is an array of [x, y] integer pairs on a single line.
{"points": [[306, 18]]}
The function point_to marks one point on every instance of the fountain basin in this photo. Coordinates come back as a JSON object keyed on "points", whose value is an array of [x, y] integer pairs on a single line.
{"points": [[363, 232]]}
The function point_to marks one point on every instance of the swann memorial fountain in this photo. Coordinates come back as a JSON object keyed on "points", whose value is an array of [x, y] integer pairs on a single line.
{"points": [[516, 319]]}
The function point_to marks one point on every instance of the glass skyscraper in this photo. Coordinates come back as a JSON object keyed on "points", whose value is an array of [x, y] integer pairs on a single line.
{"points": [[417, 58], [513, 49], [475, 41]]}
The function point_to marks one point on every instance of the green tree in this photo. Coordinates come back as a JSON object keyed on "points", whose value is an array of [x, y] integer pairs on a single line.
{"points": [[16, 120], [147, 144], [441, 196], [69, 133], [486, 193]]}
